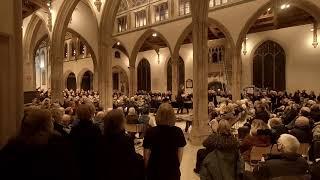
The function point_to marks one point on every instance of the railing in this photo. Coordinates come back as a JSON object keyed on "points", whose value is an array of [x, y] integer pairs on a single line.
{"points": [[217, 4]]}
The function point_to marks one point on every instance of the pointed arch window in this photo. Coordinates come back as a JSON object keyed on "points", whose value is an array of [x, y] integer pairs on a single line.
{"points": [[180, 75], [184, 7], [141, 18], [161, 12], [144, 75], [269, 66], [122, 24]]}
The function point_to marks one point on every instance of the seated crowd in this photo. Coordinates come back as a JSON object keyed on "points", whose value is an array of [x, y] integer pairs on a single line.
{"points": [[77, 140], [54, 144], [282, 129]]}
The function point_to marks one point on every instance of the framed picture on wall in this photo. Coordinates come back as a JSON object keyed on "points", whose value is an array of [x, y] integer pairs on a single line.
{"points": [[189, 83]]}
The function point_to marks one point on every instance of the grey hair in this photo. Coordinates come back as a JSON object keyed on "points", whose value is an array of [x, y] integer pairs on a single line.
{"points": [[290, 143]]}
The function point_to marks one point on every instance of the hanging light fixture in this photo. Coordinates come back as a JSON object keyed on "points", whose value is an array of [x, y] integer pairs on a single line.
{"points": [[158, 53], [245, 46], [315, 35]]}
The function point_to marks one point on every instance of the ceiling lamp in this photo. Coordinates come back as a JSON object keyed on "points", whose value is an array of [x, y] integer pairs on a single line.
{"points": [[284, 6]]}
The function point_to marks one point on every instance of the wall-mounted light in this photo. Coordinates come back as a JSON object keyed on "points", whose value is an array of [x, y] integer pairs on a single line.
{"points": [[315, 35], [118, 43], [154, 34], [158, 53], [245, 46], [41, 64]]}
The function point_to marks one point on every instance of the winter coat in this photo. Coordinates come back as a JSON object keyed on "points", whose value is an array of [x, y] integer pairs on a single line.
{"points": [[224, 161]]}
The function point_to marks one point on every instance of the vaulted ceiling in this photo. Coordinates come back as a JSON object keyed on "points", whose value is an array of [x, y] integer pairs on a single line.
{"points": [[30, 6]]}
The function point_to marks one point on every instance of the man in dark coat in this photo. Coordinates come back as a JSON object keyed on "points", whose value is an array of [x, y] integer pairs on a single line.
{"points": [[288, 163], [85, 138]]}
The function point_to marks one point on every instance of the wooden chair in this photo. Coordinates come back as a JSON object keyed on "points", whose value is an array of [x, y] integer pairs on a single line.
{"points": [[135, 128], [257, 153]]}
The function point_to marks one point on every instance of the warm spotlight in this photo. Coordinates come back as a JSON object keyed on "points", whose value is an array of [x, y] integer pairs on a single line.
{"points": [[154, 35], [118, 43]]}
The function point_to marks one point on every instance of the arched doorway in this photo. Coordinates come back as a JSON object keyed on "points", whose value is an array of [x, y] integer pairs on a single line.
{"points": [[87, 81], [71, 81], [144, 75], [181, 74], [269, 66]]}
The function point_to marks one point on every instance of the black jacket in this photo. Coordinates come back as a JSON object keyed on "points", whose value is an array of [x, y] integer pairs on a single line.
{"points": [[276, 132], [118, 159], [85, 137], [263, 115], [303, 134], [51, 160], [281, 165]]}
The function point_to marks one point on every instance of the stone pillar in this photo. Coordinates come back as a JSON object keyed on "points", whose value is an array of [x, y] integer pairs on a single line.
{"points": [[175, 76], [132, 81], [11, 70], [200, 128], [57, 79], [96, 79], [105, 75], [236, 77]]}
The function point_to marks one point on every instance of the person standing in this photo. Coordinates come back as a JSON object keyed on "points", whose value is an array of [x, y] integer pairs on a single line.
{"points": [[163, 146]]}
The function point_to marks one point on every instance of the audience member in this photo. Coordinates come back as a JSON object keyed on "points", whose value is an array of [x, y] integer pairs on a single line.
{"points": [[163, 146], [118, 159], [37, 151], [277, 128], [257, 138], [288, 163], [302, 130], [132, 117], [85, 137], [220, 148]]}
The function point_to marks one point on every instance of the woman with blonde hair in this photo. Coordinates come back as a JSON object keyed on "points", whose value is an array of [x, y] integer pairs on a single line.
{"points": [[163, 146]]}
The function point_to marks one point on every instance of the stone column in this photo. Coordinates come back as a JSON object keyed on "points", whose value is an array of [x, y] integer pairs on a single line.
{"points": [[236, 77], [132, 81], [175, 76], [57, 79], [96, 79], [11, 70], [105, 74], [200, 128]]}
